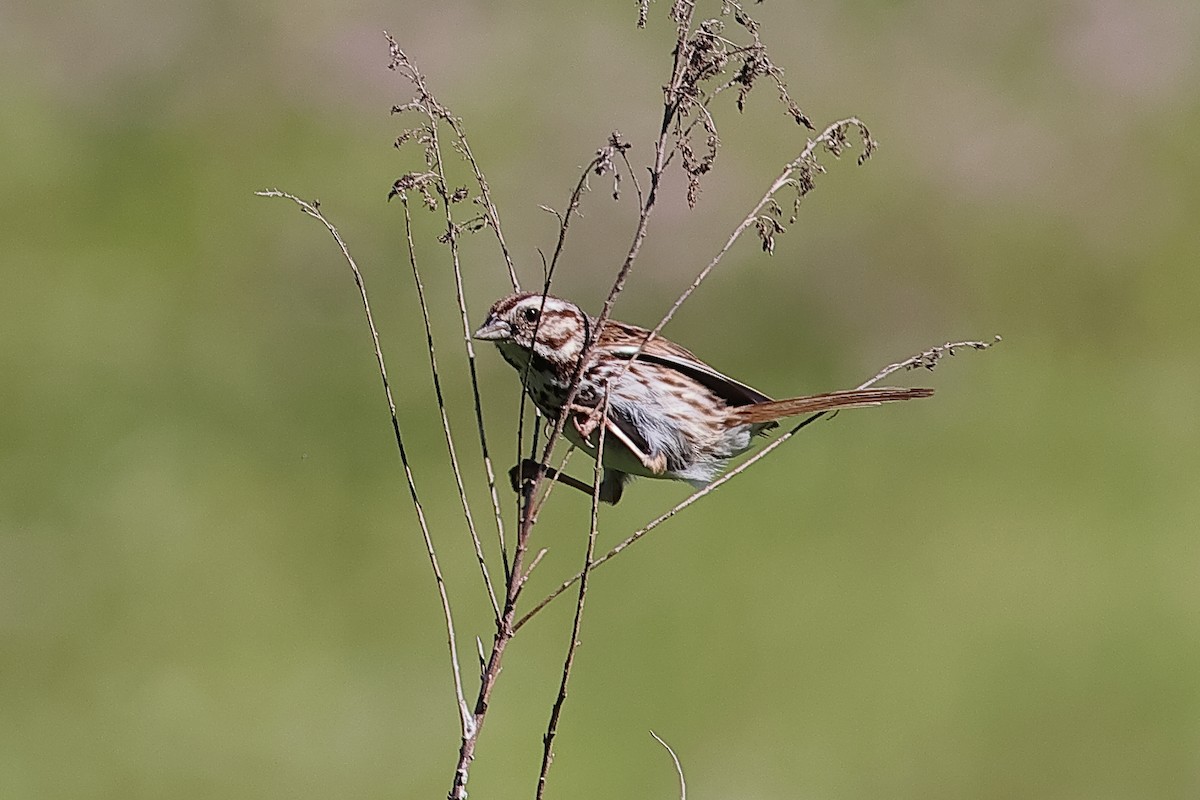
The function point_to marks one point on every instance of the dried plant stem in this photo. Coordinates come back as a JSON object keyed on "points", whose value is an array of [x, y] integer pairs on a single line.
{"points": [[490, 209], [929, 359], [515, 574], [564, 219], [468, 346], [562, 467], [435, 112], [527, 509], [491, 670], [680, 94], [637, 185], [682, 12], [788, 176], [678, 766], [573, 643], [926, 359], [313, 210], [441, 404]]}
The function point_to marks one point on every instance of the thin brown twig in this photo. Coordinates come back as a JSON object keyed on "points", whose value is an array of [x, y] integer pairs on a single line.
{"points": [[401, 63], [564, 219], [927, 359], [676, 98], [441, 404], [787, 176], [313, 210], [682, 12], [637, 185], [537, 559], [802, 162], [527, 509], [434, 111], [468, 343], [545, 496], [598, 165], [573, 644]]}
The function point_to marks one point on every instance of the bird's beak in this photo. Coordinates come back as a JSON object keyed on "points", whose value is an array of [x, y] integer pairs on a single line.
{"points": [[494, 330]]}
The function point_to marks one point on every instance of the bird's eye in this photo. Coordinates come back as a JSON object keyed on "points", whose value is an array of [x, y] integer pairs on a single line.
{"points": [[530, 314]]}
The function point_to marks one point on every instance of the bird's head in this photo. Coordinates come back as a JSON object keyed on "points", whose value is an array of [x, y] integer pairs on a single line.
{"points": [[547, 326]]}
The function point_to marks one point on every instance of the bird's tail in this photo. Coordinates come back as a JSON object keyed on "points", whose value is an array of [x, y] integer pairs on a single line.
{"points": [[830, 401]]}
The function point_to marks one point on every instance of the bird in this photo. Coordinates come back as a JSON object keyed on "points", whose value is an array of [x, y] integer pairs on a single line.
{"points": [[669, 414]]}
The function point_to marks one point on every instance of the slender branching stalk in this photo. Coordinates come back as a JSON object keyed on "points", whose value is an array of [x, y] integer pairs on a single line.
{"points": [[436, 113], [313, 210], [577, 620], [441, 404], [427, 104], [707, 61]]}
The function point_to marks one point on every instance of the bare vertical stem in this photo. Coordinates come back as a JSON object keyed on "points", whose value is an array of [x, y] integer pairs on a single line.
{"points": [[468, 345], [441, 404], [491, 670], [573, 643]]}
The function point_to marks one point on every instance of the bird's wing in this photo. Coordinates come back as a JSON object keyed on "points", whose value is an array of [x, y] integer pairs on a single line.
{"points": [[668, 354]]}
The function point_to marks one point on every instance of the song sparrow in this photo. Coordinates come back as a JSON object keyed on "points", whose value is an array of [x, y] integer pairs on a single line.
{"points": [[670, 415]]}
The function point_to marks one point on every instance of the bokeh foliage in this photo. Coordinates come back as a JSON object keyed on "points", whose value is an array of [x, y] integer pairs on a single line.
{"points": [[211, 584]]}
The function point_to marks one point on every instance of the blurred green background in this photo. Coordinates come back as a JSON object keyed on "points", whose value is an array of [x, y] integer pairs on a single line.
{"points": [[211, 581]]}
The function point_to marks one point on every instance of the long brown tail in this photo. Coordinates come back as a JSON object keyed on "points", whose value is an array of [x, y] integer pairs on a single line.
{"points": [[795, 406]]}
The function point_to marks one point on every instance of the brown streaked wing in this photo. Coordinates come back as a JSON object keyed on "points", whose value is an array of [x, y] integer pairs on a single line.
{"points": [[623, 340]]}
